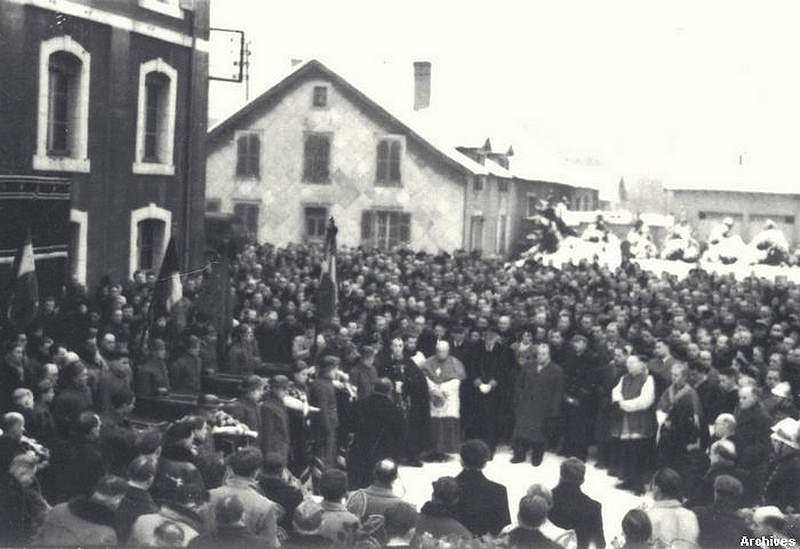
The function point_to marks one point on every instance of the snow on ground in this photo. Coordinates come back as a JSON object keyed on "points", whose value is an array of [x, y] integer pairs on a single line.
{"points": [[414, 484]]}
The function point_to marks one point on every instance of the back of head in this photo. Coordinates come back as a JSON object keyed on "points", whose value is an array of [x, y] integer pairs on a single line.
{"points": [[572, 471], [446, 490], [308, 517], [333, 484], [668, 483], [245, 462], [400, 518], [111, 486], [274, 463], [474, 454], [229, 510], [543, 492], [532, 511], [385, 472], [728, 489], [637, 527], [142, 469]]}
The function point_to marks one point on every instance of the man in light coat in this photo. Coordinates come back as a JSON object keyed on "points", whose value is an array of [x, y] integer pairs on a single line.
{"points": [[670, 519]]}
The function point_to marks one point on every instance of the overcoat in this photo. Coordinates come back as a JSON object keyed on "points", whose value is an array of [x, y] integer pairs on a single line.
{"points": [[539, 396]]}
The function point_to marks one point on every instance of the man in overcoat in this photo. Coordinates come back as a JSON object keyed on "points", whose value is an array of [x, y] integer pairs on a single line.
{"points": [[540, 390], [379, 434]]}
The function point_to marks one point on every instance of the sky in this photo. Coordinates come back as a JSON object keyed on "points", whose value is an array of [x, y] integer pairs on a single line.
{"points": [[674, 90]]}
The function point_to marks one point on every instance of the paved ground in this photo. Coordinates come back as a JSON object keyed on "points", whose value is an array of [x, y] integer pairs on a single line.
{"points": [[415, 484]]}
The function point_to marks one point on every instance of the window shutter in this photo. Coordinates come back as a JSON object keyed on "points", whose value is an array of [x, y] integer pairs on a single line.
{"points": [[255, 155], [405, 228], [381, 172], [367, 220], [394, 162], [308, 159], [241, 155], [325, 159]]}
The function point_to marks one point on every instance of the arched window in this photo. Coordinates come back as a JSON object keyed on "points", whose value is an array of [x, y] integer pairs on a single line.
{"points": [[150, 230], [155, 126], [63, 115]]}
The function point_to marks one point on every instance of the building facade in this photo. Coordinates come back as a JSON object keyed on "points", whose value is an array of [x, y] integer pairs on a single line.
{"points": [[313, 146], [111, 95]]}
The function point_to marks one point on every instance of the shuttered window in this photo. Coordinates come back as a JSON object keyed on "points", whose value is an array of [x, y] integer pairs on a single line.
{"points": [[248, 155], [316, 158], [389, 155]]}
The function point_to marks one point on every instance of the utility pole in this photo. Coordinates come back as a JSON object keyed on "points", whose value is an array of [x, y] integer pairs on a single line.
{"points": [[246, 67]]}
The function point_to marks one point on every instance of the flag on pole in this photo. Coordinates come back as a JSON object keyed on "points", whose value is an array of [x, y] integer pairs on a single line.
{"points": [[168, 289], [327, 294], [24, 299]]}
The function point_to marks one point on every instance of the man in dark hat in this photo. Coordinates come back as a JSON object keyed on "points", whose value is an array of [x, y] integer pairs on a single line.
{"points": [[275, 419]]}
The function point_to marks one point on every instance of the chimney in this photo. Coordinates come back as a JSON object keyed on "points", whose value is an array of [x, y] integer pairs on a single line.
{"points": [[295, 62], [422, 85]]}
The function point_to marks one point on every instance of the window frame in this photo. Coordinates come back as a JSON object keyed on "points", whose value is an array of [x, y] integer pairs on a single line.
{"points": [[479, 183], [151, 211], [249, 134], [249, 204], [393, 143], [325, 208], [370, 228], [76, 158], [317, 135], [164, 163], [326, 96]]}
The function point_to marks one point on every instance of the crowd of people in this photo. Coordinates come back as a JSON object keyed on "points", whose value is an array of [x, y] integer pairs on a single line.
{"points": [[685, 389]]}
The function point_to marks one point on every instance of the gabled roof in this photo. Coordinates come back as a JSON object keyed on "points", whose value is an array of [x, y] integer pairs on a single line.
{"points": [[315, 69]]}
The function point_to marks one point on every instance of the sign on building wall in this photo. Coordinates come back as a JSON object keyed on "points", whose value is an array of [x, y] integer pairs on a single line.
{"points": [[226, 55]]}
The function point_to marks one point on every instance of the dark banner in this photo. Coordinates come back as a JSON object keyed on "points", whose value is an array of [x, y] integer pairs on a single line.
{"points": [[43, 205]]}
